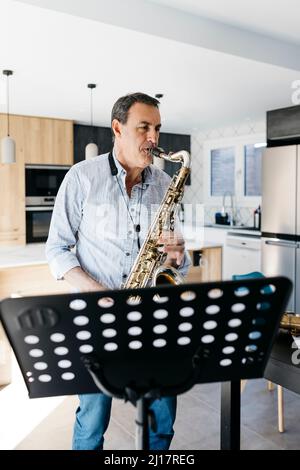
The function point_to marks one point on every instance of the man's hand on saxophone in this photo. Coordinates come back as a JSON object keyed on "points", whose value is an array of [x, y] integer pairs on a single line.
{"points": [[172, 243]]}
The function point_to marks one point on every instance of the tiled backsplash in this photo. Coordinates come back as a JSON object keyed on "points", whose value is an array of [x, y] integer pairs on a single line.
{"points": [[194, 194], [243, 215]]}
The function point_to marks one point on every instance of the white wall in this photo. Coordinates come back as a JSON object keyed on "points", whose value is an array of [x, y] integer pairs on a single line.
{"points": [[194, 194]]}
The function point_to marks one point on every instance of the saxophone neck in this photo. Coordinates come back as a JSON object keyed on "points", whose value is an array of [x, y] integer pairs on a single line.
{"points": [[182, 156]]}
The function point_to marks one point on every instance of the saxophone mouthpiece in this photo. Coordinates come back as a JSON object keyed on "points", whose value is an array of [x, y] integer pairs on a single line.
{"points": [[157, 151]]}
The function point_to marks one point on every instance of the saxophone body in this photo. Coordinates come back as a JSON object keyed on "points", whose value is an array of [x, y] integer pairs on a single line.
{"points": [[148, 264], [291, 323]]}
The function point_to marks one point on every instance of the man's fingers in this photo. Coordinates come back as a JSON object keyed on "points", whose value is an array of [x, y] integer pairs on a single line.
{"points": [[171, 240], [174, 248]]}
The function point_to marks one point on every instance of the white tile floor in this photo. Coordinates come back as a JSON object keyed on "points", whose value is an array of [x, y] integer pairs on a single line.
{"points": [[20, 415], [197, 425]]}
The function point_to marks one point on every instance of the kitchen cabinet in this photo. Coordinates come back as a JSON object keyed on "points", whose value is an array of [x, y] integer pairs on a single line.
{"points": [[30, 280], [215, 235], [62, 138], [242, 254], [206, 264], [48, 141], [44, 141], [83, 135], [241, 249], [19, 281], [5, 359], [38, 141], [12, 187]]}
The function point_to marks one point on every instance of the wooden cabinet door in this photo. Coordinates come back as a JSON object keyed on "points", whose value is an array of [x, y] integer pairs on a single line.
{"points": [[12, 187], [62, 139], [48, 141], [209, 265], [38, 144], [30, 280]]}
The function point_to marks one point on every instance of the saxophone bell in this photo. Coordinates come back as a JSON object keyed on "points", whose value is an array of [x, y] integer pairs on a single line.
{"points": [[166, 275]]}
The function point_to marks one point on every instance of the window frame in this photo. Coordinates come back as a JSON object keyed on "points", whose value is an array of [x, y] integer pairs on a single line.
{"points": [[238, 143]]}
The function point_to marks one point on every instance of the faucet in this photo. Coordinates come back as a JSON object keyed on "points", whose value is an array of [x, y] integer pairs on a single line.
{"points": [[232, 218]]}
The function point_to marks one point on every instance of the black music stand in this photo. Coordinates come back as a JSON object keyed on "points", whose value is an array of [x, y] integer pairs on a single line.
{"points": [[148, 343]]}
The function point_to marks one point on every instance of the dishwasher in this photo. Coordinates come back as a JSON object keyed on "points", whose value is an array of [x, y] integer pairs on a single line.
{"points": [[242, 253]]}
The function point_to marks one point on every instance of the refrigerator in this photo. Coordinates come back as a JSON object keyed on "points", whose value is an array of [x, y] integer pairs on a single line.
{"points": [[281, 217]]}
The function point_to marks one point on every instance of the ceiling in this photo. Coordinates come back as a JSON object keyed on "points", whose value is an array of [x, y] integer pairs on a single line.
{"points": [[214, 67], [279, 19]]}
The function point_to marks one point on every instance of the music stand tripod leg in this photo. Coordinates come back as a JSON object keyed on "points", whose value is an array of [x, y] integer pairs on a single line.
{"points": [[230, 415], [142, 424]]}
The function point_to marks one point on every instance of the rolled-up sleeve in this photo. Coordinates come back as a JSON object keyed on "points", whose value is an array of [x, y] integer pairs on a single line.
{"points": [[64, 225]]}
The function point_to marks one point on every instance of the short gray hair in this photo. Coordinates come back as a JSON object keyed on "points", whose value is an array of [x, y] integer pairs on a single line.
{"points": [[122, 106]]}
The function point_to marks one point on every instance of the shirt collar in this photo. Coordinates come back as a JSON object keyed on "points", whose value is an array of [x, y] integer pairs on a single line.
{"points": [[148, 172]]}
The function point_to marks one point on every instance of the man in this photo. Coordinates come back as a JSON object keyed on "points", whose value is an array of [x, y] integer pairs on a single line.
{"points": [[103, 209]]}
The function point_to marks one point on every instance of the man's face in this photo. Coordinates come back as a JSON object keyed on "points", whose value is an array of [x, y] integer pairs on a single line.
{"points": [[140, 133]]}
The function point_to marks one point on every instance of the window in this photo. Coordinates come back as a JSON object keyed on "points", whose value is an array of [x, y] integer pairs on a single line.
{"points": [[252, 170], [222, 170], [233, 164]]}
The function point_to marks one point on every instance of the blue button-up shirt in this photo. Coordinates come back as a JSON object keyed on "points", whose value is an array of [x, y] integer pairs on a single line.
{"points": [[94, 213]]}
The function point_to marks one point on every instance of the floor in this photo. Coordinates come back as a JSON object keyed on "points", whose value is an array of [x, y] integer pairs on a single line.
{"points": [[197, 424]]}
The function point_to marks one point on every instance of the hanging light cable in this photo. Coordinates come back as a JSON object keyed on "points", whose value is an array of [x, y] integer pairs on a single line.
{"points": [[91, 150], [8, 145], [159, 162]]}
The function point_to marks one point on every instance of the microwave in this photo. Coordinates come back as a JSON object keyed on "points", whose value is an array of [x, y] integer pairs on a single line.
{"points": [[42, 183]]}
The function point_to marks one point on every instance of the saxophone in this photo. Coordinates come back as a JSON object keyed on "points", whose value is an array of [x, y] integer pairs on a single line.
{"points": [[291, 323], [148, 264]]}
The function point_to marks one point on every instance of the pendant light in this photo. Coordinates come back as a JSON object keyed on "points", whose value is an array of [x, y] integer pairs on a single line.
{"points": [[91, 150], [8, 145]]}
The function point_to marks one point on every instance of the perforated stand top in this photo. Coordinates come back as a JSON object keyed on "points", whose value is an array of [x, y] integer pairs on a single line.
{"points": [[158, 341]]}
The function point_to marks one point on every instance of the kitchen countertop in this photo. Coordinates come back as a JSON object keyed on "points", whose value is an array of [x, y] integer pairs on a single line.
{"points": [[235, 228], [34, 253], [200, 245], [30, 254]]}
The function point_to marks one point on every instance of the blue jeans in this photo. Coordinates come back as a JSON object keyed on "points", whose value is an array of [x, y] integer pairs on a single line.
{"points": [[92, 419]]}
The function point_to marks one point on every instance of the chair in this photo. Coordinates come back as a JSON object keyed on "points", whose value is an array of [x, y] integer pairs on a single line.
{"points": [[280, 403]]}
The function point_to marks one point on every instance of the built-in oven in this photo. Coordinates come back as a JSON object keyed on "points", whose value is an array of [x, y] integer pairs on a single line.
{"points": [[42, 183], [37, 223]]}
